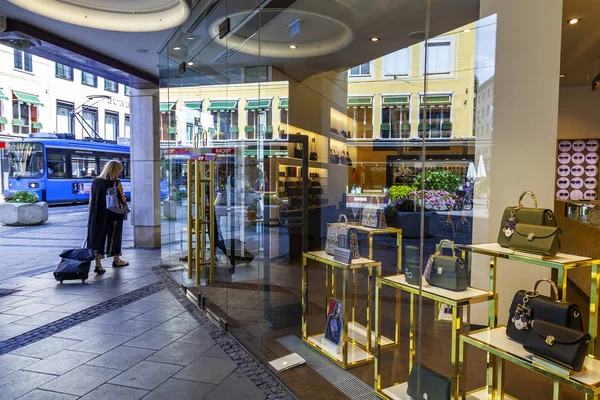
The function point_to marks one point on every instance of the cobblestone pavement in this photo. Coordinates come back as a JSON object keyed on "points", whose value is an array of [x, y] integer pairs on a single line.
{"points": [[130, 333]]}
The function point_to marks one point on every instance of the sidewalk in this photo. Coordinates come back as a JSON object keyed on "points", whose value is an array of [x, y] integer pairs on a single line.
{"points": [[127, 334]]}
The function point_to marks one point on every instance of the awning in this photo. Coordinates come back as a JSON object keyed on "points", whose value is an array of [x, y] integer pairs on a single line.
{"points": [[194, 105], [360, 101], [222, 105], [3, 120], [166, 107], [28, 99], [2, 96], [261, 104], [37, 125], [284, 103], [435, 99], [395, 101], [18, 122]]}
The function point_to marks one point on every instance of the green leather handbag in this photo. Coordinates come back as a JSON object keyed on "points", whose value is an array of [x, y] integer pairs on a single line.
{"points": [[447, 272], [514, 215], [536, 239]]}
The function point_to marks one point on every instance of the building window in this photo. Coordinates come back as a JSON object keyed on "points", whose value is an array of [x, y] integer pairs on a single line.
{"points": [[360, 110], [126, 90], [168, 121], [3, 120], [284, 114], [361, 70], [189, 132], [127, 126], [439, 58], [438, 110], [25, 117], [64, 72], [90, 125], [89, 79], [397, 63], [226, 123], [395, 117], [65, 121], [23, 61], [111, 125], [111, 86], [258, 117]]}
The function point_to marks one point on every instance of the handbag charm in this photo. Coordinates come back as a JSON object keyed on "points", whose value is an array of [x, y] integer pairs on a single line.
{"points": [[511, 224], [522, 316]]}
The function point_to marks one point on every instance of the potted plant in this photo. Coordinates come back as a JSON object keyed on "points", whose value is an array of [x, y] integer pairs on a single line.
{"points": [[23, 208]]}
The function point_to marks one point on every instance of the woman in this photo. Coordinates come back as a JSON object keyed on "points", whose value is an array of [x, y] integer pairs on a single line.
{"points": [[105, 228]]}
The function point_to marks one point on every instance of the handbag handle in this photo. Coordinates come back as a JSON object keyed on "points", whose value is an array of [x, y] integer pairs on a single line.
{"points": [[441, 244], [345, 219], [552, 284], [371, 200], [529, 193]]}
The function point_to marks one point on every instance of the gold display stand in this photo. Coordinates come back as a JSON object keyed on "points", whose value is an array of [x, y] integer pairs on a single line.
{"points": [[454, 300], [199, 221], [357, 341], [494, 341]]}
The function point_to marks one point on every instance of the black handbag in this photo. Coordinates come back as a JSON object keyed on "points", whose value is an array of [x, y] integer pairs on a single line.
{"points": [[447, 272], [313, 151], [529, 305], [434, 386], [559, 344], [298, 149], [348, 159]]}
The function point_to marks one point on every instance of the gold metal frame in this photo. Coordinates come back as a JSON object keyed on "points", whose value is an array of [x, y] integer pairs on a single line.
{"points": [[330, 268], [458, 366]]}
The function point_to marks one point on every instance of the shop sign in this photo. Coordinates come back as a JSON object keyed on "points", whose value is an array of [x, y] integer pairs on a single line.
{"points": [[2, 145], [177, 151], [223, 150], [118, 102], [203, 157]]}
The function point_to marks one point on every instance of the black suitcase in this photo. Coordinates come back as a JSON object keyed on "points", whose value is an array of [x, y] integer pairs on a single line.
{"points": [[75, 264]]}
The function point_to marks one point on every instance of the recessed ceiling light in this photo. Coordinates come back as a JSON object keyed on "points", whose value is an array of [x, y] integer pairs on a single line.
{"points": [[190, 38], [467, 30], [374, 39], [142, 50], [562, 75], [190, 63], [292, 47], [176, 48], [573, 21]]}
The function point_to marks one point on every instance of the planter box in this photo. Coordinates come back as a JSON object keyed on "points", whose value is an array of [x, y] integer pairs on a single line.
{"points": [[23, 214], [170, 209]]}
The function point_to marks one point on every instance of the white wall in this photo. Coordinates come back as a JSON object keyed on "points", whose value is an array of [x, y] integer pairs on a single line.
{"points": [[578, 113]]}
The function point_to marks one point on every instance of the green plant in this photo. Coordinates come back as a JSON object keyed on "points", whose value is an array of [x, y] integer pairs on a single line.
{"points": [[439, 180], [404, 176], [22, 196], [399, 192]]}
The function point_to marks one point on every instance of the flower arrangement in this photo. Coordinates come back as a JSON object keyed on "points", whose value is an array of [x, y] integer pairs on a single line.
{"points": [[398, 192], [22, 196], [439, 180], [434, 199]]}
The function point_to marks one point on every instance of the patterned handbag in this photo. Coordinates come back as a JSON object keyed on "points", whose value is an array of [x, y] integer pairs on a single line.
{"points": [[335, 230], [373, 216]]}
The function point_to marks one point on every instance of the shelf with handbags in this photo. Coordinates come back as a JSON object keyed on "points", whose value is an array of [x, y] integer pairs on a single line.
{"points": [[447, 278], [355, 341]]}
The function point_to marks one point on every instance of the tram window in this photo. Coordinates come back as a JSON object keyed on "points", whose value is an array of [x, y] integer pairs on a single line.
{"points": [[83, 166], [124, 160], [57, 164]]}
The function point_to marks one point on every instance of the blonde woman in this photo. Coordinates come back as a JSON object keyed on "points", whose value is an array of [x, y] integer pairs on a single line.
{"points": [[105, 228]]}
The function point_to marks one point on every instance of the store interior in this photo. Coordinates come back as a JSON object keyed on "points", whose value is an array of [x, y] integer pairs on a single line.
{"points": [[477, 115]]}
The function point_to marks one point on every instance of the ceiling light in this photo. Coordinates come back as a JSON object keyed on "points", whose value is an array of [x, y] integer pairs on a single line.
{"points": [[292, 47], [176, 48], [190, 38], [573, 21], [467, 30], [190, 63], [562, 75], [374, 39]]}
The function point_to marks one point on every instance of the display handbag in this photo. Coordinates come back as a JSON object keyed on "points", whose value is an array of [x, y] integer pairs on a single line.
{"points": [[412, 269], [343, 159], [565, 346], [373, 216], [434, 386], [114, 202], [446, 272], [337, 230], [348, 159], [524, 215], [529, 305], [298, 149], [544, 240], [313, 151]]}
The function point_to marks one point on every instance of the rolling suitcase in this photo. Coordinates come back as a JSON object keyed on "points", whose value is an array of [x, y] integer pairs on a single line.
{"points": [[75, 264]]}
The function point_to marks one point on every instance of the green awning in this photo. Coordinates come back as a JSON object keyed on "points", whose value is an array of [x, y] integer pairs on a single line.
{"points": [[261, 104], [385, 127], [3, 120], [28, 99], [223, 105], [395, 100], [284, 103], [360, 101], [431, 99], [234, 129], [166, 107], [18, 122], [447, 126], [269, 129], [172, 130], [194, 105], [249, 129], [37, 125], [2, 96]]}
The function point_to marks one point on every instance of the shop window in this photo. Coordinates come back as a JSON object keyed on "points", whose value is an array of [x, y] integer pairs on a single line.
{"points": [[361, 70], [111, 86], [65, 121], [64, 71], [90, 118], [397, 63], [111, 126], [439, 57], [89, 79], [57, 163], [83, 166], [127, 126], [23, 61]]}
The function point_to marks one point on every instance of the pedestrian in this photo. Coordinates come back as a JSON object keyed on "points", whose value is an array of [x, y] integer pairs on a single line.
{"points": [[105, 228]]}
